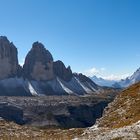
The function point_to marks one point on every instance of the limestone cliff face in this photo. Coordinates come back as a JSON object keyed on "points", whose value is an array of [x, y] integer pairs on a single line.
{"points": [[61, 71], [8, 59], [38, 63], [39, 74]]}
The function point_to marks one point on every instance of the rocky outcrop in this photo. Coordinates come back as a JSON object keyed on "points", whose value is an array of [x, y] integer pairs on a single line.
{"points": [[40, 75], [87, 81], [11, 112], [83, 78], [38, 63], [78, 115], [9, 66], [61, 71]]}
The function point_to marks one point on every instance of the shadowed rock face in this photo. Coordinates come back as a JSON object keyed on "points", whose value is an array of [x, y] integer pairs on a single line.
{"points": [[11, 113], [85, 79], [61, 71], [38, 63], [82, 77], [81, 116], [8, 59], [40, 75]]}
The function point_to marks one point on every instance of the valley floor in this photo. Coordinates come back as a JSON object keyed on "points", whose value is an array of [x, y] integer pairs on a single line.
{"points": [[12, 131], [75, 110]]}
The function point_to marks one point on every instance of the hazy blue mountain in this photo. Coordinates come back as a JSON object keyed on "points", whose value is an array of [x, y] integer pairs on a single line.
{"points": [[134, 78], [103, 82]]}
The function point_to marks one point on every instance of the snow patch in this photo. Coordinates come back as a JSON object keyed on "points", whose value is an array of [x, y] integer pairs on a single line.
{"points": [[64, 87], [87, 90]]}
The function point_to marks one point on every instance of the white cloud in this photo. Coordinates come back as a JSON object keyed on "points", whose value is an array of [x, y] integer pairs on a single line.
{"points": [[115, 77], [102, 72], [93, 71]]}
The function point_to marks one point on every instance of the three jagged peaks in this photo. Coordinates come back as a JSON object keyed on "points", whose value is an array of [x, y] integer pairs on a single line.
{"points": [[39, 64], [40, 74]]}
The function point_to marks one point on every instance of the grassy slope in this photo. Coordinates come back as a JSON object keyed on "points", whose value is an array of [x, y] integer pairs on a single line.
{"points": [[12, 131], [125, 110]]}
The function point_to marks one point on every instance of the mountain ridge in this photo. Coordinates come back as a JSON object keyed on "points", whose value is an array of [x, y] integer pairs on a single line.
{"points": [[103, 82], [40, 74], [123, 83]]}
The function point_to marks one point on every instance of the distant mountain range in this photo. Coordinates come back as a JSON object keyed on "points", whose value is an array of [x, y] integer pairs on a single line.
{"points": [[103, 82], [134, 78], [40, 74]]}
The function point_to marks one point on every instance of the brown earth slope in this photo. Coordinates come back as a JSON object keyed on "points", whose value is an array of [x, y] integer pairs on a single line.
{"points": [[121, 119], [125, 110], [12, 131]]}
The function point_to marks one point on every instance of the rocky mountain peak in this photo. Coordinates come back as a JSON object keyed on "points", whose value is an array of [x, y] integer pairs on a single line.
{"points": [[6, 47], [83, 78], [134, 78], [61, 71], [4, 39], [38, 46], [40, 52], [8, 58], [38, 63]]}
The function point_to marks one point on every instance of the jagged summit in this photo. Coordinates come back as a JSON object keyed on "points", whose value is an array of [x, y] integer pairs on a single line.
{"points": [[38, 63], [40, 52], [40, 49], [6, 47], [39, 75], [38, 44], [8, 58], [4, 38], [61, 71]]}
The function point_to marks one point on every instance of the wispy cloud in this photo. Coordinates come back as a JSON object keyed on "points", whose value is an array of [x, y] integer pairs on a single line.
{"points": [[102, 72], [93, 71], [115, 77]]}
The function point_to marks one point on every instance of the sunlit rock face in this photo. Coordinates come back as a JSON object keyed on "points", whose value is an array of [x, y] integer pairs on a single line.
{"points": [[38, 63], [61, 71], [8, 59], [40, 74]]}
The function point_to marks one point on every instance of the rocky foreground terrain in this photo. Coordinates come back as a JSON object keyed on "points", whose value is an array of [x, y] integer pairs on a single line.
{"points": [[50, 117], [54, 111], [121, 119], [12, 131]]}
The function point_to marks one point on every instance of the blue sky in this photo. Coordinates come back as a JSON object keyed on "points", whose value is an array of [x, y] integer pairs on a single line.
{"points": [[99, 37]]}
